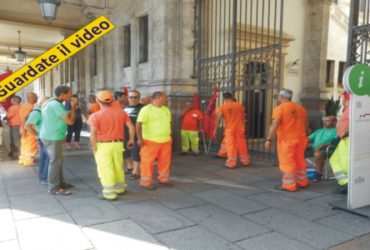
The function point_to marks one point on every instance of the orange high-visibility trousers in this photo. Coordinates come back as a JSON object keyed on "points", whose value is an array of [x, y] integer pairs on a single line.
{"points": [[28, 149], [236, 145], [292, 163], [222, 152], [150, 152]]}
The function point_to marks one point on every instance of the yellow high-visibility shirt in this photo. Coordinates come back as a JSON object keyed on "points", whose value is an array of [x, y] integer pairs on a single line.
{"points": [[156, 123]]}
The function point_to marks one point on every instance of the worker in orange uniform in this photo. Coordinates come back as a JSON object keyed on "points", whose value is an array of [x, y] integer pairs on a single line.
{"points": [[153, 129], [289, 121], [190, 127], [14, 121], [107, 134], [29, 144], [120, 100], [94, 106], [234, 132]]}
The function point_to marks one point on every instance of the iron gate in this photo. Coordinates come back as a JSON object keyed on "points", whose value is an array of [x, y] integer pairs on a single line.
{"points": [[238, 49], [359, 33]]}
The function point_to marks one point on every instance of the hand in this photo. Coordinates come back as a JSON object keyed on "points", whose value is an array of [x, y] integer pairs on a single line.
{"points": [[130, 144], [267, 145], [74, 102], [214, 134], [140, 142], [93, 147], [22, 131]]}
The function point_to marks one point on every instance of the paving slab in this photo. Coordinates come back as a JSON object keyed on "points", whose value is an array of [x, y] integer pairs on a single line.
{"points": [[195, 238], [301, 194], [29, 186], [231, 202], [35, 205], [121, 234], [348, 223], [243, 190], [90, 211], [272, 240], [308, 232], [14, 171], [238, 176], [303, 209], [154, 217], [324, 201], [80, 190], [227, 225], [132, 195], [191, 185], [10, 245], [175, 199], [197, 174], [7, 226], [55, 232], [4, 202]]}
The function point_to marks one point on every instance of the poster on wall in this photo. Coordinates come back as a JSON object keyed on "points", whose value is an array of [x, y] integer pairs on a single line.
{"points": [[357, 82], [6, 103]]}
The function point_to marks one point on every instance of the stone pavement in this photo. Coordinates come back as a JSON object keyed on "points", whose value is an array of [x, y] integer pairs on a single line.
{"points": [[208, 208]]}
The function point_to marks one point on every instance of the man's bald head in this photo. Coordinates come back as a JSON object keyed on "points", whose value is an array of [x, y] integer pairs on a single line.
{"points": [[31, 97]]}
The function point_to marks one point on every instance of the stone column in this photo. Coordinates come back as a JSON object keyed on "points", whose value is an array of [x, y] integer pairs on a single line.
{"points": [[108, 60], [314, 94], [117, 56], [80, 76]]}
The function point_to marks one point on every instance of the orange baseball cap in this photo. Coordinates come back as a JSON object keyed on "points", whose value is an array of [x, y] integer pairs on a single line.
{"points": [[105, 96]]}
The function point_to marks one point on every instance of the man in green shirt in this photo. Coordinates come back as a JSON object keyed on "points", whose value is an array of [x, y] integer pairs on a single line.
{"points": [[33, 126], [153, 128], [53, 131], [321, 139]]}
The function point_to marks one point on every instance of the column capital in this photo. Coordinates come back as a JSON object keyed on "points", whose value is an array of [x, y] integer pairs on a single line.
{"points": [[67, 32], [321, 2], [91, 13]]}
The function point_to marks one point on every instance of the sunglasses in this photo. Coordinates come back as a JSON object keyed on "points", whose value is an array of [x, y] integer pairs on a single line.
{"points": [[133, 97]]}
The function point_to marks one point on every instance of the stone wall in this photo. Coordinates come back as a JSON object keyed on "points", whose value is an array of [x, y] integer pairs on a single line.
{"points": [[170, 57]]}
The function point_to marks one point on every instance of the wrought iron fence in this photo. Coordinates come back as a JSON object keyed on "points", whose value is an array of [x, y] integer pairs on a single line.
{"points": [[238, 49], [359, 33]]}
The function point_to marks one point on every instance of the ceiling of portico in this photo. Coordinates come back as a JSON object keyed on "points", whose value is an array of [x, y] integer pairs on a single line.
{"points": [[37, 35]]}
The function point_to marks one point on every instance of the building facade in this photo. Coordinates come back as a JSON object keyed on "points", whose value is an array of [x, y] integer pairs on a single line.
{"points": [[251, 48]]}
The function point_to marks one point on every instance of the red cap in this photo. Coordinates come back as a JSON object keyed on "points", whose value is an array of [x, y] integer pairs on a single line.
{"points": [[346, 96]]}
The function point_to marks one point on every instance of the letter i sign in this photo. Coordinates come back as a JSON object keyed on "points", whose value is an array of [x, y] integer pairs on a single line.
{"points": [[356, 80]]}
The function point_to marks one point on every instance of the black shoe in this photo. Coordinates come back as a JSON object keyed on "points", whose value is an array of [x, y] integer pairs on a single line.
{"points": [[218, 157], [280, 188], [166, 184], [229, 167], [151, 187], [318, 177], [101, 197], [184, 153], [196, 153], [341, 190]]}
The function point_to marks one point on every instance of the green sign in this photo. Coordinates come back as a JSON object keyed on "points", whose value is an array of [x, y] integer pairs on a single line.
{"points": [[356, 79]]}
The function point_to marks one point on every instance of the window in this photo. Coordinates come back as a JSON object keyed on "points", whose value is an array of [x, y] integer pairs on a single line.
{"points": [[143, 39], [66, 72], [330, 71], [342, 68], [72, 69], [127, 46], [94, 63]]}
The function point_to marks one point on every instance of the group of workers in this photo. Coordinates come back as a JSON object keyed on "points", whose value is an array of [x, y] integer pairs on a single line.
{"points": [[141, 133]]}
